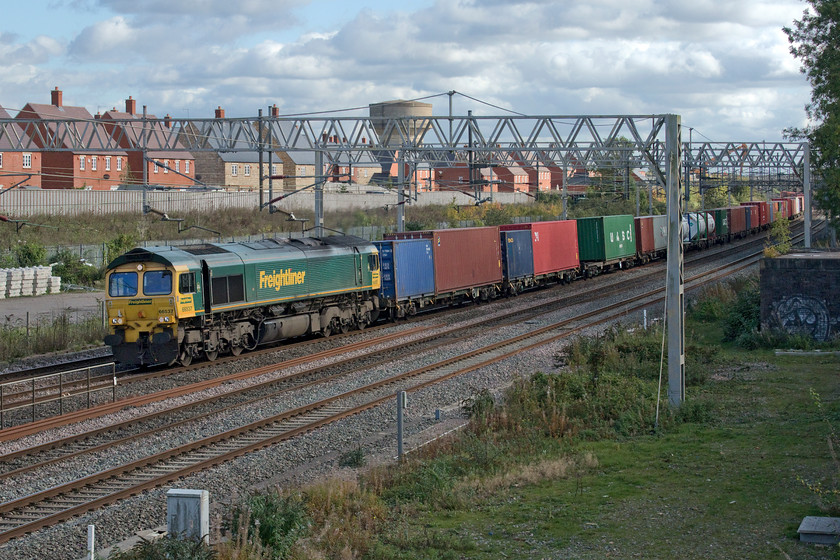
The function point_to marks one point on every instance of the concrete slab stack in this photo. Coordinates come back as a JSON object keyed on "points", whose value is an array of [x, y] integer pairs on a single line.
{"points": [[42, 280], [54, 285], [35, 280], [14, 279], [27, 284]]}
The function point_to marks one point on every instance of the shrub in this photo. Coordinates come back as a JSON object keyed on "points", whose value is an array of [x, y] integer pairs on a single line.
{"points": [[74, 270], [274, 520], [30, 254], [743, 318]]}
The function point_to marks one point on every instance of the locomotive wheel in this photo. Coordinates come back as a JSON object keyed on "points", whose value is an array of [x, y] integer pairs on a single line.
{"points": [[236, 350], [212, 355], [185, 358], [344, 327]]}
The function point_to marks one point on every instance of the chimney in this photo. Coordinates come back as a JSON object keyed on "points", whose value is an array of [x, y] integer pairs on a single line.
{"points": [[275, 111], [56, 97], [98, 115], [130, 105], [220, 113], [167, 121]]}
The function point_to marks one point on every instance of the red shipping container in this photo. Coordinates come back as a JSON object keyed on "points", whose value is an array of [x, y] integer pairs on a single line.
{"points": [[644, 235], [737, 219], [555, 244], [786, 206], [463, 258], [763, 212]]}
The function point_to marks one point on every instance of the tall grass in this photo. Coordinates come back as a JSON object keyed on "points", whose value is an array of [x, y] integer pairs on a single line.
{"points": [[59, 333]]}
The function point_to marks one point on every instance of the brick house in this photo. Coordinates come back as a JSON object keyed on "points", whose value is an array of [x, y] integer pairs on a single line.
{"points": [[513, 177], [72, 169], [457, 177], [15, 166], [234, 170], [171, 168]]}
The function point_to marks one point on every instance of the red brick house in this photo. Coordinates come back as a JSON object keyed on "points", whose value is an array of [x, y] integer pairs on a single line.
{"points": [[457, 177], [72, 169], [15, 166], [168, 168]]}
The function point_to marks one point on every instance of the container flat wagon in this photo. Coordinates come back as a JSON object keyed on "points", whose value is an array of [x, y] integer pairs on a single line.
{"points": [[605, 243], [467, 262], [407, 276], [538, 253]]}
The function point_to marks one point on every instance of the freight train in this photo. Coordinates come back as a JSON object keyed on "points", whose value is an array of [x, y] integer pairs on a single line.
{"points": [[174, 304]]}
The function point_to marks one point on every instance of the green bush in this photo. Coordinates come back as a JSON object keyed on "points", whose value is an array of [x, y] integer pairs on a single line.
{"points": [[74, 270], [744, 316], [30, 254], [274, 520]]}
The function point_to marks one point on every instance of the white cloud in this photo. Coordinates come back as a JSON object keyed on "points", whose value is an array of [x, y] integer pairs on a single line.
{"points": [[721, 65]]}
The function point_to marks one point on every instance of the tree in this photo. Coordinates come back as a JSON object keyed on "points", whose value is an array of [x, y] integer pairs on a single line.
{"points": [[814, 41]]}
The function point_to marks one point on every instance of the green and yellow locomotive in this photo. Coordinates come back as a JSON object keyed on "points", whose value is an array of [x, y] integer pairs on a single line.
{"points": [[175, 304]]}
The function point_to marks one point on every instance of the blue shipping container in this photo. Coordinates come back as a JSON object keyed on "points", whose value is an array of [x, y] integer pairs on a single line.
{"points": [[406, 268], [517, 254]]}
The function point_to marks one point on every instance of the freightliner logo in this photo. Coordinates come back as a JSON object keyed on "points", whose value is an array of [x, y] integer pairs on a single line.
{"points": [[277, 280]]}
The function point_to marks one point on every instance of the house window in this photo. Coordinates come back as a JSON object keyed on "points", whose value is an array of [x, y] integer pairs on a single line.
{"points": [[81, 163], [186, 166], [93, 163], [166, 166], [234, 169], [177, 165], [247, 170], [119, 164], [274, 169], [107, 163], [365, 172], [1, 160], [156, 167]]}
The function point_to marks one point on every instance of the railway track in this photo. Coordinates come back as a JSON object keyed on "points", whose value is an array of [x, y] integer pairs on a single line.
{"points": [[38, 510]]}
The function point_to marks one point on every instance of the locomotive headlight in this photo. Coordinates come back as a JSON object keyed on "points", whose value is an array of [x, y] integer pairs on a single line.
{"points": [[117, 321], [163, 319]]}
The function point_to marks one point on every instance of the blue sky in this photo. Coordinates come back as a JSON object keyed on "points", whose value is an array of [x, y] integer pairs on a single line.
{"points": [[724, 67]]}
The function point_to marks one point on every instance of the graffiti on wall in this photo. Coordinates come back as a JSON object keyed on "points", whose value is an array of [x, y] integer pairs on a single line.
{"points": [[804, 315]]}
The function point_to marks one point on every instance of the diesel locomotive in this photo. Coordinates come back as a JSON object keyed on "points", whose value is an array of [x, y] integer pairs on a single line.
{"points": [[174, 304]]}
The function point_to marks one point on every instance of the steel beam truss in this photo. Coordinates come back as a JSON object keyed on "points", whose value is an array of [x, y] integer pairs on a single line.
{"points": [[592, 141]]}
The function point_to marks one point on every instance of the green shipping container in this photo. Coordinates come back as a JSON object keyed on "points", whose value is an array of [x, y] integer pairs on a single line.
{"points": [[721, 221], [606, 238]]}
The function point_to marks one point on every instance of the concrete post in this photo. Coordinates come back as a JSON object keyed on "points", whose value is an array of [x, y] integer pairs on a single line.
{"points": [[674, 284]]}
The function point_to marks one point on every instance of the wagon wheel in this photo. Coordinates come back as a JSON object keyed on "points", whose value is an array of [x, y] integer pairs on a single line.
{"points": [[211, 355]]}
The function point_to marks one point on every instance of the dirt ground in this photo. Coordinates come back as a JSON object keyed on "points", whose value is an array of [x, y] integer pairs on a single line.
{"points": [[76, 304]]}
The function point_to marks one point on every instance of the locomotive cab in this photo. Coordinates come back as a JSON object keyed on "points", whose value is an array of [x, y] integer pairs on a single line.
{"points": [[145, 301]]}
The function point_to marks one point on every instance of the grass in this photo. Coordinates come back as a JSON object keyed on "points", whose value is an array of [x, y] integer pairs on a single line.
{"points": [[58, 333]]}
